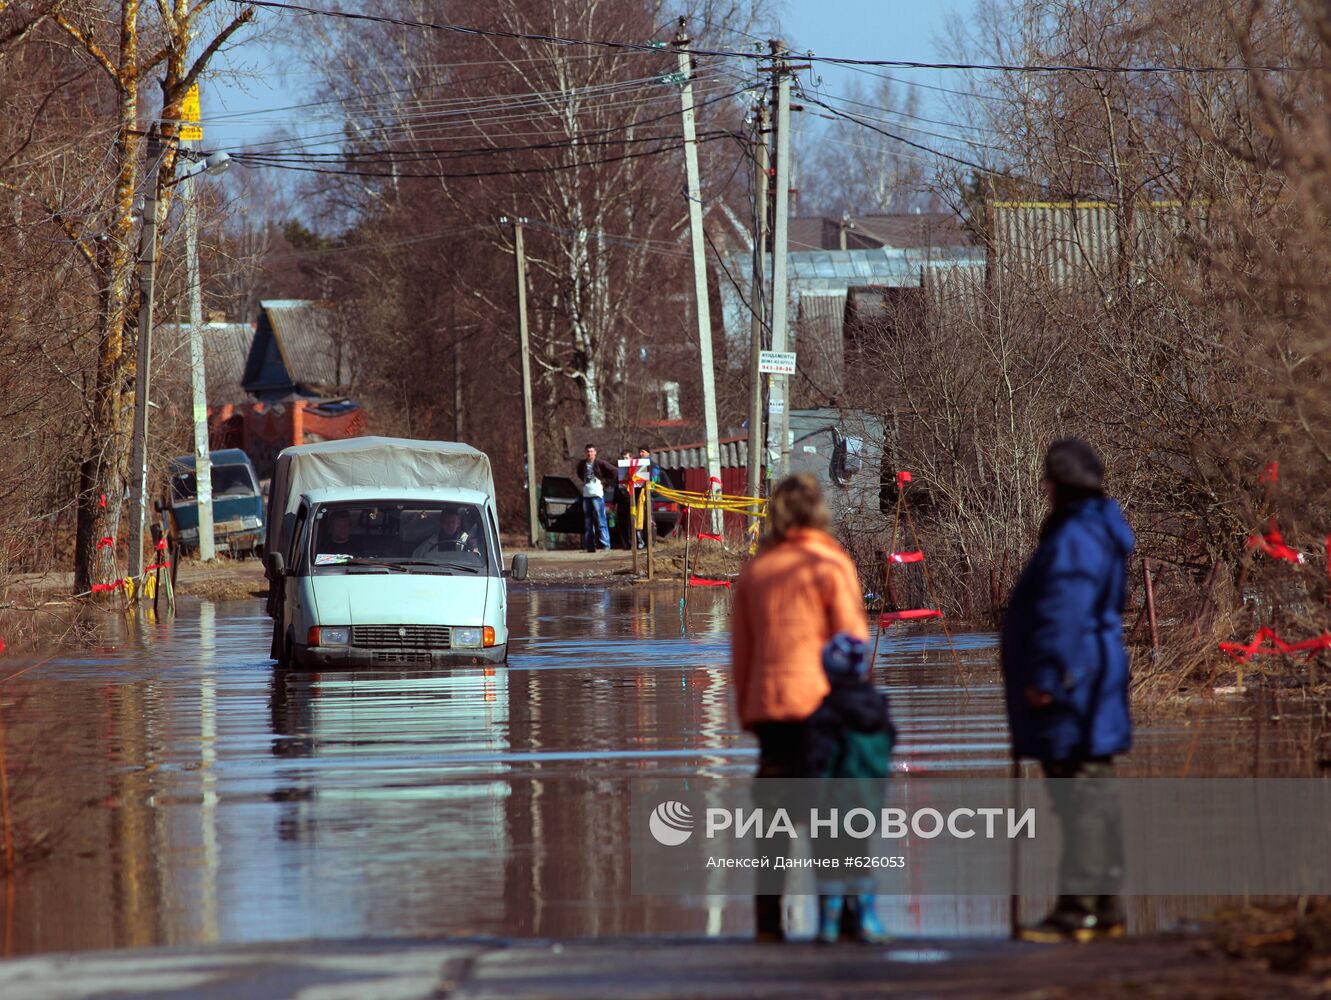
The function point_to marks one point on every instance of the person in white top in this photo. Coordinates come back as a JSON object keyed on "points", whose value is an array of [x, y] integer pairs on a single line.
{"points": [[593, 474]]}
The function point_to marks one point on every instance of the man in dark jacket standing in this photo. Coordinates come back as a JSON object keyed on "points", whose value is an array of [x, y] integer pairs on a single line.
{"points": [[1065, 670], [594, 476]]}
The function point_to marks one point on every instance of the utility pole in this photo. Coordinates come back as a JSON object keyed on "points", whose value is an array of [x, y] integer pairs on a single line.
{"points": [[142, 383], [533, 524], [693, 194], [779, 442], [457, 386], [758, 308], [203, 466]]}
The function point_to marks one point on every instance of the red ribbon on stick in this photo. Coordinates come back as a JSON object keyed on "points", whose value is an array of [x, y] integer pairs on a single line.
{"points": [[697, 581], [101, 588], [903, 477], [708, 534], [905, 557], [1273, 544], [915, 614], [161, 545], [164, 564], [105, 542]]}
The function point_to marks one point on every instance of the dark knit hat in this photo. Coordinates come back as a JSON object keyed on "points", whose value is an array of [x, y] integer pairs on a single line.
{"points": [[845, 656], [1074, 468]]}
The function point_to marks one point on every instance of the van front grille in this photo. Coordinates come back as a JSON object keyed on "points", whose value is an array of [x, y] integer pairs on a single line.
{"points": [[400, 636], [396, 657]]}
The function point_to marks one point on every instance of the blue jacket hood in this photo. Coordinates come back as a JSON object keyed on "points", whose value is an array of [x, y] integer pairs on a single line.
{"points": [[1103, 517]]}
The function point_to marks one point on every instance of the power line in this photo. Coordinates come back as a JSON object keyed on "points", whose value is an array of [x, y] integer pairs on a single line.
{"points": [[248, 161], [915, 145], [920, 131], [660, 48], [428, 125], [470, 128], [412, 155]]}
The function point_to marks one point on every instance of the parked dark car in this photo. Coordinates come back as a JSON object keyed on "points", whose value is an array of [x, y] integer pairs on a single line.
{"points": [[561, 509], [238, 524]]}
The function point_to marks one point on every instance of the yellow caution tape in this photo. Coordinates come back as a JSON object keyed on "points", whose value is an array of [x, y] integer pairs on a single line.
{"points": [[749, 506]]}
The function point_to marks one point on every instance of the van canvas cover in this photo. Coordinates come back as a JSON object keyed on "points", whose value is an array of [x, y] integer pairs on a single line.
{"points": [[368, 461]]}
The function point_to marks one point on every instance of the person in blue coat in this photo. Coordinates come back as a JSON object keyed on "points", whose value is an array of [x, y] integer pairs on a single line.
{"points": [[1065, 671]]}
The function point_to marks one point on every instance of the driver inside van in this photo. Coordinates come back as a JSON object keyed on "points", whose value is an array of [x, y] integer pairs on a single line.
{"points": [[337, 537], [451, 537]]}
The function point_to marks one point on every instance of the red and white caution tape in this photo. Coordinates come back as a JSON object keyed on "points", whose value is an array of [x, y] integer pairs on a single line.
{"points": [[1267, 643]]}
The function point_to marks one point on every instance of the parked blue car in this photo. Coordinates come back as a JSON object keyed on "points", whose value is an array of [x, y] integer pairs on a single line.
{"points": [[238, 516]]}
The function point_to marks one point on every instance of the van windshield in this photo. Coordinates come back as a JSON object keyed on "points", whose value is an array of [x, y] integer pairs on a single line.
{"points": [[227, 480], [411, 536]]}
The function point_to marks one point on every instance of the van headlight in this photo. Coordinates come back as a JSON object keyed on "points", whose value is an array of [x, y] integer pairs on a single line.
{"points": [[465, 638], [325, 635]]}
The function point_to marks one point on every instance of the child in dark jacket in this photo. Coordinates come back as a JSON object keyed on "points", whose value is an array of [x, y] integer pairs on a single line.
{"points": [[850, 736]]}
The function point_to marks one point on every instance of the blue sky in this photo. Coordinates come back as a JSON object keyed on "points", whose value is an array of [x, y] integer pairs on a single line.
{"points": [[257, 74]]}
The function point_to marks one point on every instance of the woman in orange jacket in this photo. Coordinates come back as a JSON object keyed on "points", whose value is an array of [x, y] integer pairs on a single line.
{"points": [[791, 599]]}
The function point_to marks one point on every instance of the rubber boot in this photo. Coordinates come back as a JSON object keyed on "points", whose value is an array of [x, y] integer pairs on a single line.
{"points": [[872, 930], [767, 919], [850, 919], [1110, 921], [829, 918], [1072, 919]]}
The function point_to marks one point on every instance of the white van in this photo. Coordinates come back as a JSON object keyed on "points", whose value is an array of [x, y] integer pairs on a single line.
{"points": [[386, 552]]}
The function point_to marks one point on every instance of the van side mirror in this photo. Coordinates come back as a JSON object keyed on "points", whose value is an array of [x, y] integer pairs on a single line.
{"points": [[275, 565], [519, 570]]}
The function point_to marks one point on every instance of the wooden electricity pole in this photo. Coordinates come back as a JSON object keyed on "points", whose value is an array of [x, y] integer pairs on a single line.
{"points": [[520, 260], [138, 463]]}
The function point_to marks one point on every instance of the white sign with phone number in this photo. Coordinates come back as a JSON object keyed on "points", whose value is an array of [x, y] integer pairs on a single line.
{"points": [[776, 362]]}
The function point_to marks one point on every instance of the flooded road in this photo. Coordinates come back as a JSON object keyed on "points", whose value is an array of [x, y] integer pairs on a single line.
{"points": [[172, 788]]}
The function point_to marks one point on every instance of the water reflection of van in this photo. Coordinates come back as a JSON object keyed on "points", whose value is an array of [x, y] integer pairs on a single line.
{"points": [[237, 502], [386, 552]]}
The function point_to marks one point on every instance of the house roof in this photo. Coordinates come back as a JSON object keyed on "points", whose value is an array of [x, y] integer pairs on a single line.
{"points": [[912, 229], [734, 454], [810, 233], [226, 346], [900, 230], [226, 349], [304, 336]]}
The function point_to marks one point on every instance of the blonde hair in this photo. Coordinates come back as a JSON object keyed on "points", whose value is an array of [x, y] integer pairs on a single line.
{"points": [[797, 502]]}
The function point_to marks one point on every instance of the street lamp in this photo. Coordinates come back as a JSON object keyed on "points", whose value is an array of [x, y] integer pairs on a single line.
{"points": [[215, 162]]}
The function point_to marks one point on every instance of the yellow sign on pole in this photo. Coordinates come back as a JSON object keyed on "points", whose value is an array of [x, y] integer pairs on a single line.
{"points": [[189, 112]]}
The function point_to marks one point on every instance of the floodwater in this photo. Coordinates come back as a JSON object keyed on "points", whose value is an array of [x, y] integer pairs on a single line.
{"points": [[173, 788]]}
